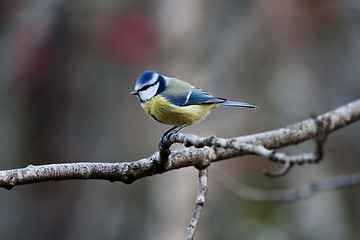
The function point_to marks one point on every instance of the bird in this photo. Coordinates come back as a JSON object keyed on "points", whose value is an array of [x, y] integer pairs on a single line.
{"points": [[177, 103]]}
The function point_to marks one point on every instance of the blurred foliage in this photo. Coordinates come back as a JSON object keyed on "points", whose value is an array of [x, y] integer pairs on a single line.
{"points": [[66, 70]]}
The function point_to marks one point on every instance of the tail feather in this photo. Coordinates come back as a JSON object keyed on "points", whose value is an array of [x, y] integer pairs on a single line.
{"points": [[237, 104]]}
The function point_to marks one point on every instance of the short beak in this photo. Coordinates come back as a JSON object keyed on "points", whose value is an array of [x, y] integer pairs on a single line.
{"points": [[134, 92]]}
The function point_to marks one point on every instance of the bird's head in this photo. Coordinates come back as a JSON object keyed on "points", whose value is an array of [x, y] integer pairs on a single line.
{"points": [[148, 85]]}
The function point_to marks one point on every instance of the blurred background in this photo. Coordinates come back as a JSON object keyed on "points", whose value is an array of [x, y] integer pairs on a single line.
{"points": [[66, 71]]}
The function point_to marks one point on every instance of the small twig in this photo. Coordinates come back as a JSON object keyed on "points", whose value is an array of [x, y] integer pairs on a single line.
{"points": [[288, 161], [200, 201], [285, 195], [312, 157], [283, 171]]}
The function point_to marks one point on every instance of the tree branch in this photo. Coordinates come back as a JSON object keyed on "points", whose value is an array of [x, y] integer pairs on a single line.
{"points": [[128, 172], [200, 201]]}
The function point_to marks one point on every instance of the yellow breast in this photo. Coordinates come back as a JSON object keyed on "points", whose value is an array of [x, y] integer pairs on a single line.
{"points": [[161, 110]]}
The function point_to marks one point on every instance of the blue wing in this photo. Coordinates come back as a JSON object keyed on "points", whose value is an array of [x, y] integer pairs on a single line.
{"points": [[192, 96], [198, 96], [181, 93]]}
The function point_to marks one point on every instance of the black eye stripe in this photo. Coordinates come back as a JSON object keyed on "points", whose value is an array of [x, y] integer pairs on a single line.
{"points": [[144, 87], [147, 86]]}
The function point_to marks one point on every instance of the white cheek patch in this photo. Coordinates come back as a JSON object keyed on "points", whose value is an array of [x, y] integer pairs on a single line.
{"points": [[149, 93]]}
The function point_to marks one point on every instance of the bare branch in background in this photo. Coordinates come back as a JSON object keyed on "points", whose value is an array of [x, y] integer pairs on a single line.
{"points": [[285, 195]]}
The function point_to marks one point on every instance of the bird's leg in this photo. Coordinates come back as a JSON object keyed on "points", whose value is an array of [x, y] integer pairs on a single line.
{"points": [[165, 137], [164, 144], [166, 132], [175, 130], [164, 147]]}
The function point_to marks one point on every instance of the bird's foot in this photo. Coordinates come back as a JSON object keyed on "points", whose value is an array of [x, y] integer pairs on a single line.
{"points": [[165, 139], [165, 143]]}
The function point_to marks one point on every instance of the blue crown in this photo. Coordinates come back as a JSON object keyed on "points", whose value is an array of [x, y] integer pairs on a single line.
{"points": [[145, 77]]}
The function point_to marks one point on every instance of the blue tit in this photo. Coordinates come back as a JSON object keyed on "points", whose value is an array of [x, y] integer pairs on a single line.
{"points": [[175, 102]]}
